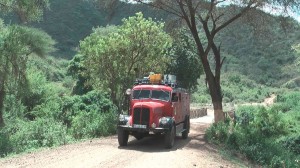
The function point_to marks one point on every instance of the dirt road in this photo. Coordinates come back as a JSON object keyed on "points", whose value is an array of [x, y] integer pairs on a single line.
{"points": [[148, 152]]}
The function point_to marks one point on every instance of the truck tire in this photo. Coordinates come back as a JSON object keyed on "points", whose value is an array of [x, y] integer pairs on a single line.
{"points": [[122, 137], [185, 133], [170, 137]]}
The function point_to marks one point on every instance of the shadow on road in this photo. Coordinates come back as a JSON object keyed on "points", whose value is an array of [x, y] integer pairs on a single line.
{"points": [[197, 135], [154, 143]]}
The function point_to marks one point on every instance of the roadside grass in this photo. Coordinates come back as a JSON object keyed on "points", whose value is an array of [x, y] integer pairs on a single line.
{"points": [[266, 136]]}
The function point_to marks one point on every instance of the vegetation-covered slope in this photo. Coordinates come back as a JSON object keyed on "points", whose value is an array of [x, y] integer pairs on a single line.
{"points": [[69, 21], [250, 52]]}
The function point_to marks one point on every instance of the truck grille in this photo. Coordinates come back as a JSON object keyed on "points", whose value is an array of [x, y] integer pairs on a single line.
{"points": [[141, 116]]}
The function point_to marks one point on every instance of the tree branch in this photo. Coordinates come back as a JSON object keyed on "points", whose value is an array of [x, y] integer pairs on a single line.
{"points": [[244, 10], [210, 10]]}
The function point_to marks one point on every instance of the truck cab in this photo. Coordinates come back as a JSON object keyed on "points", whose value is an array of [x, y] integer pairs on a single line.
{"points": [[156, 106]]}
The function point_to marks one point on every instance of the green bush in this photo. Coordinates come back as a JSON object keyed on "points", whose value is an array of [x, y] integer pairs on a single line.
{"points": [[13, 108], [291, 142], [5, 145], [51, 108], [93, 124], [25, 135], [217, 133], [269, 136], [270, 122], [91, 102], [245, 115]]}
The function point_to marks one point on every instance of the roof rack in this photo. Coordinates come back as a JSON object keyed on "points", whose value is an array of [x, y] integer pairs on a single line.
{"points": [[158, 79]]}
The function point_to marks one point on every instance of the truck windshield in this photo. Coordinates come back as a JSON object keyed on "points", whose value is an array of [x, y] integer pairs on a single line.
{"points": [[154, 94], [141, 94]]}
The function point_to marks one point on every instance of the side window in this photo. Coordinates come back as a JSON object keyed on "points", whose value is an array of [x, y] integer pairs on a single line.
{"points": [[174, 97]]}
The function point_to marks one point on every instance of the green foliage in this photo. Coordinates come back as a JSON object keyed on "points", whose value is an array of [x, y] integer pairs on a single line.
{"points": [[291, 142], [26, 10], [77, 69], [138, 47], [236, 88], [56, 120], [13, 108], [17, 44], [93, 124], [92, 102], [53, 68], [217, 133], [41, 132], [44, 115], [185, 63], [267, 136], [297, 48], [37, 89], [5, 144], [264, 56]]}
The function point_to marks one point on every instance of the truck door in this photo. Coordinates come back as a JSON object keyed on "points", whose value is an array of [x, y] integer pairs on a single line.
{"points": [[176, 103]]}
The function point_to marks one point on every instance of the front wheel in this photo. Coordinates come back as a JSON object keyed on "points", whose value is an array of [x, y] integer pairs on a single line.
{"points": [[122, 137], [170, 138]]}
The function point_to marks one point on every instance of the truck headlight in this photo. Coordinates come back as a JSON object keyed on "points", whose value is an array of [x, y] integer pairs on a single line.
{"points": [[163, 120], [121, 117]]}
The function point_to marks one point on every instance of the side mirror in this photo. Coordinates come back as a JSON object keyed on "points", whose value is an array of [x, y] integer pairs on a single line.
{"points": [[128, 92]]}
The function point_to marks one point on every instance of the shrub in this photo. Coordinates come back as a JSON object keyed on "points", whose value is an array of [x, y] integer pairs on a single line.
{"points": [[92, 102], [13, 108], [5, 145], [291, 142], [270, 122], [217, 133], [245, 115], [38, 133], [93, 124], [257, 131]]}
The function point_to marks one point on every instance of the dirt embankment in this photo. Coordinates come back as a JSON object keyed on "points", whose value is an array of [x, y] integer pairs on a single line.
{"points": [[148, 152]]}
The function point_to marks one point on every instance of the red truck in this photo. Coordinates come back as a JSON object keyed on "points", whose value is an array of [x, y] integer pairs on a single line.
{"points": [[156, 106]]}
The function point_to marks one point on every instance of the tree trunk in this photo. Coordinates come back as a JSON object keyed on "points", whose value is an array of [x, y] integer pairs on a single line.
{"points": [[212, 80], [216, 96]]}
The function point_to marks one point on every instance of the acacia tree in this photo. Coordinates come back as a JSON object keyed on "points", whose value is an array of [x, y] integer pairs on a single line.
{"points": [[210, 17], [17, 43], [138, 46]]}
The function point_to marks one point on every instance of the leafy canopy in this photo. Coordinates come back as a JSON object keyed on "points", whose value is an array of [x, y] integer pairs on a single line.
{"points": [[138, 47], [185, 63], [17, 43], [27, 10]]}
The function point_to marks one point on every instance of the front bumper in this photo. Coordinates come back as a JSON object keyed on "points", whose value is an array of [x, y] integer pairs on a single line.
{"points": [[154, 130]]}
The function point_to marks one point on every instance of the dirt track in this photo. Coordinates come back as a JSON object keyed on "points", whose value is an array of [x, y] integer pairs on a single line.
{"points": [[148, 152]]}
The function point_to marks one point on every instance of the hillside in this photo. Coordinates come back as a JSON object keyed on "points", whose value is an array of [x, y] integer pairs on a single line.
{"points": [[250, 52], [69, 21], [265, 55]]}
